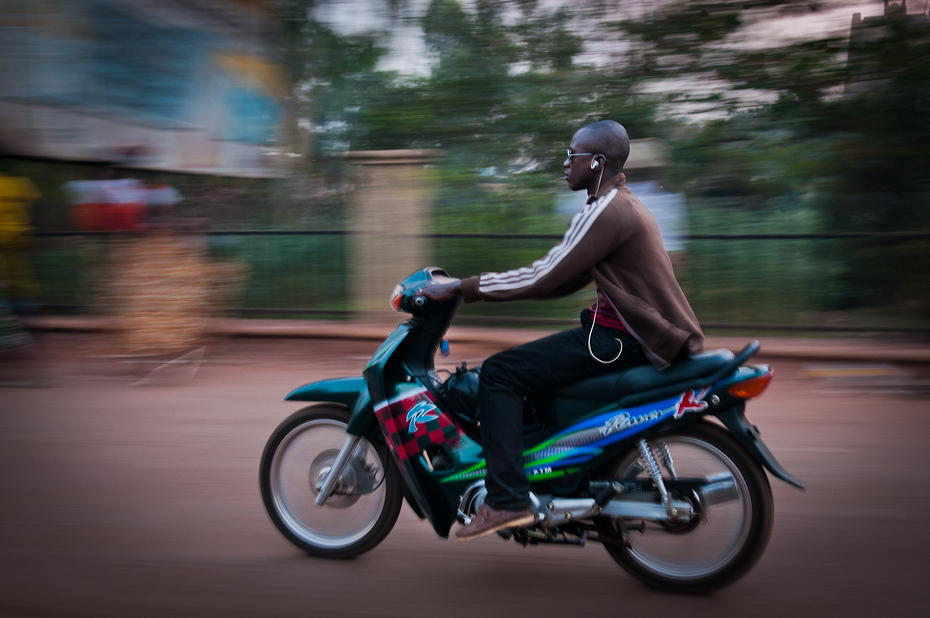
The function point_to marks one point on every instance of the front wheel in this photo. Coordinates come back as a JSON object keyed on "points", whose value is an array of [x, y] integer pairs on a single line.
{"points": [[364, 504], [732, 521]]}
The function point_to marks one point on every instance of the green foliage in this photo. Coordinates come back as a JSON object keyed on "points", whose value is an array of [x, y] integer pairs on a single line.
{"points": [[751, 281], [295, 272]]}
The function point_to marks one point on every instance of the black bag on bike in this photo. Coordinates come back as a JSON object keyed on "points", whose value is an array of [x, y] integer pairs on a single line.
{"points": [[460, 391]]}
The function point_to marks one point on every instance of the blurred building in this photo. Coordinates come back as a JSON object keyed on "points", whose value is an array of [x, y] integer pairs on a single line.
{"points": [[645, 170], [865, 69], [179, 85]]}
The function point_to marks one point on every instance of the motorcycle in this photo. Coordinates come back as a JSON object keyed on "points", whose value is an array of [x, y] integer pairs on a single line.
{"points": [[627, 459]]}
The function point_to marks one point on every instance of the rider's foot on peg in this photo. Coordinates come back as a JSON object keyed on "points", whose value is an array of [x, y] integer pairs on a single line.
{"points": [[489, 520]]}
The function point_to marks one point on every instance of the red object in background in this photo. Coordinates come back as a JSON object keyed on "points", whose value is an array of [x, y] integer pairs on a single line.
{"points": [[108, 205], [109, 217]]}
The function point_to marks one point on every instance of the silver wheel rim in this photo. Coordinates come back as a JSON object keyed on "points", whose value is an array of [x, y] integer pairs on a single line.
{"points": [[717, 540], [293, 492]]}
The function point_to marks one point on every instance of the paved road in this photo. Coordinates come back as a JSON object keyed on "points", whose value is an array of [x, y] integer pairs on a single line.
{"points": [[119, 499]]}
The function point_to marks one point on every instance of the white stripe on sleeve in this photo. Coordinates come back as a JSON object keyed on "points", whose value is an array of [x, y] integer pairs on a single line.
{"points": [[528, 275]]}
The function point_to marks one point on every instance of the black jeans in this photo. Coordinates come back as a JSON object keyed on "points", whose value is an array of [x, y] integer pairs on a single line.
{"points": [[536, 367]]}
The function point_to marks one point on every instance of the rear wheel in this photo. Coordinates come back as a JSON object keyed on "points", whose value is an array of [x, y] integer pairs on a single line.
{"points": [[732, 521], [364, 504]]}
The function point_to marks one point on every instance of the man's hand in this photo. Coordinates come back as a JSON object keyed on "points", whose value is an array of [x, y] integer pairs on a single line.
{"points": [[440, 292]]}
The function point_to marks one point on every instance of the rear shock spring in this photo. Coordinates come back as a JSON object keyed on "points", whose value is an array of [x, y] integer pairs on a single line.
{"points": [[667, 460], [654, 470]]}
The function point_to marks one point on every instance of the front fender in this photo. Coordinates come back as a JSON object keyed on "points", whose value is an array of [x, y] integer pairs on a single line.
{"points": [[339, 390], [350, 392]]}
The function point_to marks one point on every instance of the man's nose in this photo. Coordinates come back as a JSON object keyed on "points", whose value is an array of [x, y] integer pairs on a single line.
{"points": [[567, 163]]}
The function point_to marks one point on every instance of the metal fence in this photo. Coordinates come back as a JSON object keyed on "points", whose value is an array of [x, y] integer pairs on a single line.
{"points": [[779, 282]]}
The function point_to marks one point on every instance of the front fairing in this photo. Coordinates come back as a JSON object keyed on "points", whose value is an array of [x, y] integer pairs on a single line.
{"points": [[340, 390], [411, 421]]}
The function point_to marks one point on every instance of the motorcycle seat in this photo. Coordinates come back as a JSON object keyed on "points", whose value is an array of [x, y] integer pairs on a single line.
{"points": [[613, 386]]}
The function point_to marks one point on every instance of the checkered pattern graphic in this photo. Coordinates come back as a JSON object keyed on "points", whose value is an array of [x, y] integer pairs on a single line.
{"points": [[393, 416]]}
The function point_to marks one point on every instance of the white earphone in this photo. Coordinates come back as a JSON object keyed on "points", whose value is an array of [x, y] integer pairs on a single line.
{"points": [[594, 163]]}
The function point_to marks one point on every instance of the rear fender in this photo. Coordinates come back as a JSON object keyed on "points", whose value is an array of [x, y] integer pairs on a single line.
{"points": [[349, 392], [734, 419]]}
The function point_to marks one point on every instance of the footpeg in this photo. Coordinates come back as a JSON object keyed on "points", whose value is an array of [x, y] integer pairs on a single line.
{"points": [[607, 494]]}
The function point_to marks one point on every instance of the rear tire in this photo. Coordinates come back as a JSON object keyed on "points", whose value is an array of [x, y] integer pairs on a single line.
{"points": [[362, 509], [732, 532]]}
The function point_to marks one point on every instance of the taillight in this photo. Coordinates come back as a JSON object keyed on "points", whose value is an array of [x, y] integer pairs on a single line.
{"points": [[753, 387], [396, 296]]}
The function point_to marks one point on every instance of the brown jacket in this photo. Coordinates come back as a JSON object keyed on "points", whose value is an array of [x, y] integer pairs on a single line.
{"points": [[616, 242]]}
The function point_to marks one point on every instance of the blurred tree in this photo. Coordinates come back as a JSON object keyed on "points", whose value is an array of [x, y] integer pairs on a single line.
{"points": [[778, 126], [504, 86], [324, 69], [703, 43], [883, 135], [885, 113], [796, 126]]}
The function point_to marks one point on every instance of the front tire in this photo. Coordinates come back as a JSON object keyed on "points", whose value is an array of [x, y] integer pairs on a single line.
{"points": [[733, 526], [362, 508]]}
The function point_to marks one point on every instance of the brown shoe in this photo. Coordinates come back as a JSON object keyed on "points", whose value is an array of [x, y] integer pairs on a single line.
{"points": [[489, 520]]}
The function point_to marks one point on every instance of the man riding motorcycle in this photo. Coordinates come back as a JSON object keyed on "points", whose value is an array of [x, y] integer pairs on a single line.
{"points": [[640, 314]]}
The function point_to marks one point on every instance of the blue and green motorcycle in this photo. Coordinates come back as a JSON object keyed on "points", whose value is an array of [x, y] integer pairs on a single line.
{"points": [[627, 459]]}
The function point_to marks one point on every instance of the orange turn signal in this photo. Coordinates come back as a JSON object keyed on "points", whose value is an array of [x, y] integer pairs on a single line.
{"points": [[753, 387], [396, 296]]}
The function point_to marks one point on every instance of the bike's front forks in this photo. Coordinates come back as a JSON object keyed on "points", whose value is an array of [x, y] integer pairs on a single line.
{"points": [[335, 473]]}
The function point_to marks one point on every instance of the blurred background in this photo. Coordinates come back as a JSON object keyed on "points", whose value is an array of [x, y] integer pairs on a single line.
{"points": [[295, 158], [164, 162]]}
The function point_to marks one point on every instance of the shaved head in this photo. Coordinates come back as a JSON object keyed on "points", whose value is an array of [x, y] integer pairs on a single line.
{"points": [[609, 138]]}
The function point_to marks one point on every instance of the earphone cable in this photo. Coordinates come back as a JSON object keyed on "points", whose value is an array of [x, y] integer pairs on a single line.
{"points": [[597, 303]]}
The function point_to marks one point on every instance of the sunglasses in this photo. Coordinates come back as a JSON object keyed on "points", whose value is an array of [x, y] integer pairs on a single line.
{"points": [[576, 154]]}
